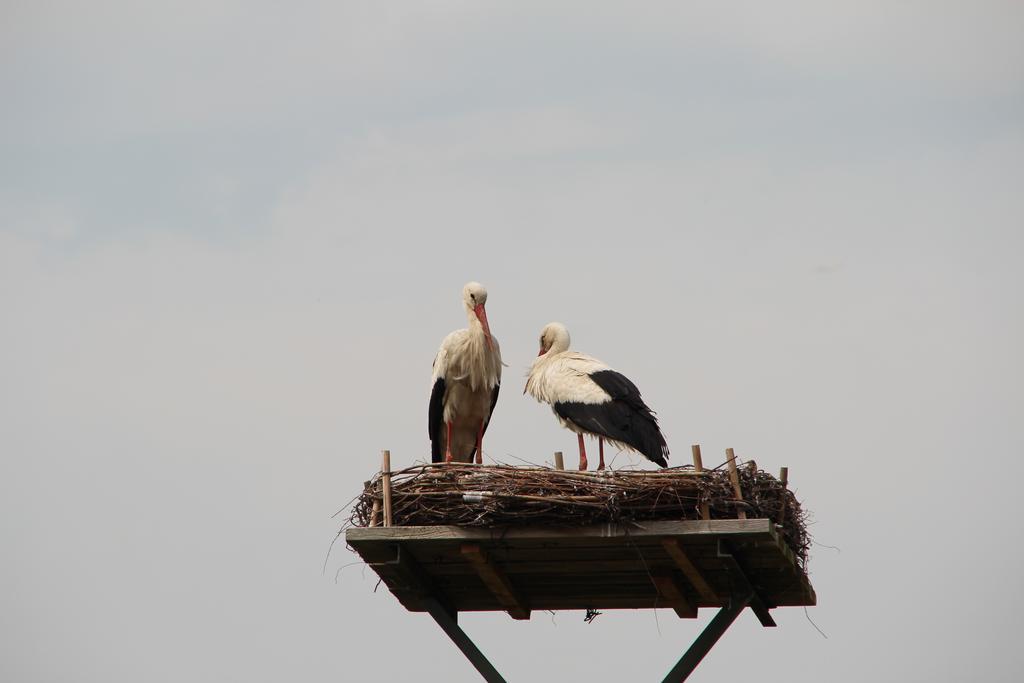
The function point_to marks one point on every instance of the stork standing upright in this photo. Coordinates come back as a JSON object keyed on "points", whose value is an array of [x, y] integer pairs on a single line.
{"points": [[588, 397], [466, 380]]}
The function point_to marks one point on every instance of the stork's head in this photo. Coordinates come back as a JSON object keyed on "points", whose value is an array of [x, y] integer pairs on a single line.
{"points": [[554, 338], [474, 296]]}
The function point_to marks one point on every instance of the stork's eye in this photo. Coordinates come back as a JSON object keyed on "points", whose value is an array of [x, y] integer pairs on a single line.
{"points": [[473, 297]]}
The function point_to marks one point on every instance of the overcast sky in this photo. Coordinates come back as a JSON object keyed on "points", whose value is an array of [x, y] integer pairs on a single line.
{"points": [[233, 234]]}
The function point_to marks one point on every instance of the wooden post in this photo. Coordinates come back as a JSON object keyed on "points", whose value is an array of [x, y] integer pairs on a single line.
{"points": [[496, 581], [698, 464], [375, 514], [675, 550], [375, 510], [734, 476], [784, 479], [559, 464], [698, 467], [385, 477], [671, 593]]}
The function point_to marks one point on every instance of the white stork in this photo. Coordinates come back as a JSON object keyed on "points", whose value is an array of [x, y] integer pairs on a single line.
{"points": [[588, 397], [466, 379]]}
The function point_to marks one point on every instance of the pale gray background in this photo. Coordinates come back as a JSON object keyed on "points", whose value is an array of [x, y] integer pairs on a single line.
{"points": [[233, 234]]}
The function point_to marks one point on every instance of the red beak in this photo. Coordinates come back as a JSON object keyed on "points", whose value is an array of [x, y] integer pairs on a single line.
{"points": [[481, 315]]}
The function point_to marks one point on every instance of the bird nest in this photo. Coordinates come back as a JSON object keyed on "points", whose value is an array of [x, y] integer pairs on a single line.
{"points": [[502, 495]]}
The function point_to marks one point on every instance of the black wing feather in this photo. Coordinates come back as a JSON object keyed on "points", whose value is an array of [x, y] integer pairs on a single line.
{"points": [[435, 420], [494, 402], [625, 418], [620, 388]]}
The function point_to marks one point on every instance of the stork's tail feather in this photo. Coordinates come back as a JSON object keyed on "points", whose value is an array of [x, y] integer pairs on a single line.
{"points": [[655, 449], [657, 455]]}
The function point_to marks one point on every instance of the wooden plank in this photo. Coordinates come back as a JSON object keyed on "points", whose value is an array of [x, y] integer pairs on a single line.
{"points": [[600, 566], [444, 557], [558, 603], [763, 528], [690, 571], [573, 568], [639, 594], [542, 594], [581, 594], [509, 557], [597, 570], [636, 582], [584, 592], [627, 545], [559, 463], [552, 602], [496, 581], [582, 549], [410, 578], [625, 585], [672, 594], [795, 579], [734, 477]]}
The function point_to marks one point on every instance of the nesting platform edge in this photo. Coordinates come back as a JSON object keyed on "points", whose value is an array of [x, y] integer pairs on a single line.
{"points": [[681, 564]]}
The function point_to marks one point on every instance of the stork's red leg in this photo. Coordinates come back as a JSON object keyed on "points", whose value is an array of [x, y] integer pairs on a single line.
{"points": [[583, 454], [448, 444], [480, 444], [600, 448]]}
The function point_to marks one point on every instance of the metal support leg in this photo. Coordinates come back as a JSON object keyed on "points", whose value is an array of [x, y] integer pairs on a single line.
{"points": [[450, 626], [707, 639], [742, 585], [743, 595]]}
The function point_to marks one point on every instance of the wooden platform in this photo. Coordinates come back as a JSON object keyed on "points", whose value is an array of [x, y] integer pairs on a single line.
{"points": [[681, 565]]}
